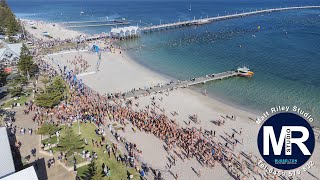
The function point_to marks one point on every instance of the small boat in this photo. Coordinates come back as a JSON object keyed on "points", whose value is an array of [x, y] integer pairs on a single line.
{"points": [[81, 13], [190, 8], [244, 72]]}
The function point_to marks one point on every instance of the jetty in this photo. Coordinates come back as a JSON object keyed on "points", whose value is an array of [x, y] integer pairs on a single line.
{"points": [[99, 23], [219, 18], [180, 84]]}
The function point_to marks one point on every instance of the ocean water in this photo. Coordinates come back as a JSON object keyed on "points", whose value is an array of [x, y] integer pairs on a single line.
{"points": [[284, 53]]}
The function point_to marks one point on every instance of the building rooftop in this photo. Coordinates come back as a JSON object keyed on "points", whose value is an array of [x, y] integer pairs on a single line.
{"points": [[6, 160], [25, 174], [2, 50], [15, 48]]}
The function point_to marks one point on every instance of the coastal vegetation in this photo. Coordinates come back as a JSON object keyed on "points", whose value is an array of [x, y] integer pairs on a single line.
{"points": [[26, 69], [117, 169], [26, 65], [53, 93], [8, 23], [70, 142], [21, 100], [94, 171], [3, 76], [48, 129]]}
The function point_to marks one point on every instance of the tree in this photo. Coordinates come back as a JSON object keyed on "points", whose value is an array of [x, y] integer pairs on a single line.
{"points": [[45, 80], [70, 142], [2, 32], [24, 51], [57, 84], [18, 80], [3, 76], [48, 129], [16, 85], [94, 172], [26, 64], [16, 91], [98, 174], [49, 100], [11, 25], [3, 3], [53, 93], [8, 22]]}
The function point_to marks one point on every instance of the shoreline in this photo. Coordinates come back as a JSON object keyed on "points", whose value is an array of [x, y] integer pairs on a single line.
{"points": [[53, 29], [212, 97], [194, 90], [166, 78], [119, 73]]}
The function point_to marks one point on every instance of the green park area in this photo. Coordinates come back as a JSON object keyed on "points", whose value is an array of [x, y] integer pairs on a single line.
{"points": [[21, 100], [92, 170]]}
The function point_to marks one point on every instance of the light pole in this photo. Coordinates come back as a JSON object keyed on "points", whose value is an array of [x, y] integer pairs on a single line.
{"points": [[78, 122]]}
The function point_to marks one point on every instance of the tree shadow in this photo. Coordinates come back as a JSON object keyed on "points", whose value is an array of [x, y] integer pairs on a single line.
{"points": [[91, 171], [3, 94]]}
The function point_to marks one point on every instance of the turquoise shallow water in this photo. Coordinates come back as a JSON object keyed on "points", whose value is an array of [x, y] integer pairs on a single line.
{"points": [[284, 53], [286, 65]]}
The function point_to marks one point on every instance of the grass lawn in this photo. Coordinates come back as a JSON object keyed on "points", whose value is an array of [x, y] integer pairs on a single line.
{"points": [[118, 171], [20, 100], [78, 158], [53, 140]]}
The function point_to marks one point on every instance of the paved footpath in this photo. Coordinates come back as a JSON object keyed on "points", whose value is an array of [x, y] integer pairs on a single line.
{"points": [[55, 172]]}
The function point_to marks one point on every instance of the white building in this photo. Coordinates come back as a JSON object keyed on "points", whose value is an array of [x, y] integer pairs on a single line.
{"points": [[6, 160], [125, 32], [9, 53], [25, 174]]}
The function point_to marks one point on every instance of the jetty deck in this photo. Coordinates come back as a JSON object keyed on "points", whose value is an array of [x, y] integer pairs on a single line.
{"points": [[82, 24], [99, 25], [218, 18], [97, 21], [181, 84]]}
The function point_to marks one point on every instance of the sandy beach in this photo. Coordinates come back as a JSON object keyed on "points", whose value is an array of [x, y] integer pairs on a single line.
{"points": [[119, 73], [55, 30]]}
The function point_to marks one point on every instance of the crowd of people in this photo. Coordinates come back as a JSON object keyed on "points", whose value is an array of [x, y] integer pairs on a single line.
{"points": [[85, 104], [79, 64]]}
